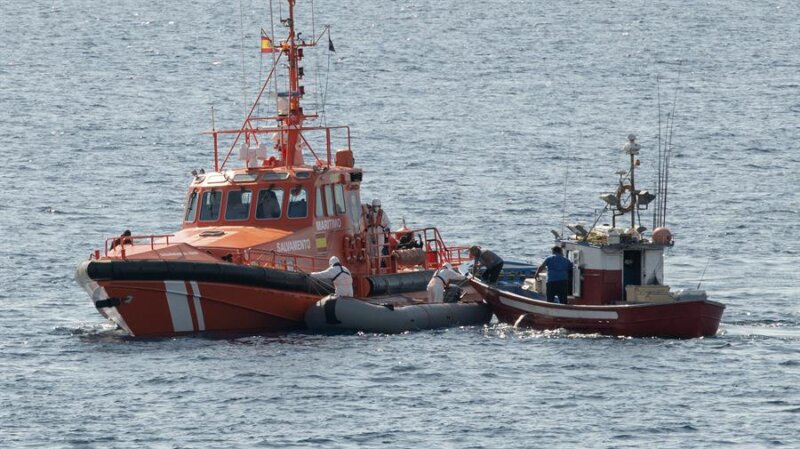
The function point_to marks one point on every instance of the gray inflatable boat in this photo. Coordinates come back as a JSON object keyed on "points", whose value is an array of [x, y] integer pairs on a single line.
{"points": [[391, 315]]}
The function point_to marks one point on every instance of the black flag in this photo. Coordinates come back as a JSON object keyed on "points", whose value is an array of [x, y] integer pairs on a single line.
{"points": [[330, 45]]}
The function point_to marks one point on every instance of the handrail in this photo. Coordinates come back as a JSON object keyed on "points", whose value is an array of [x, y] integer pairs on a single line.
{"points": [[283, 261], [112, 242], [254, 131], [434, 247], [437, 252]]}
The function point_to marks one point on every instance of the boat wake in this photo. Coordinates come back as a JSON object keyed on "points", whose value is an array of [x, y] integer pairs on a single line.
{"points": [[94, 332], [781, 329], [503, 330]]}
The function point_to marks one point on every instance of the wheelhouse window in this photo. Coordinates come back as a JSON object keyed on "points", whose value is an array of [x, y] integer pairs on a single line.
{"points": [[298, 203], [191, 207], [269, 204], [355, 208], [319, 210], [209, 209], [339, 197], [329, 200], [238, 205]]}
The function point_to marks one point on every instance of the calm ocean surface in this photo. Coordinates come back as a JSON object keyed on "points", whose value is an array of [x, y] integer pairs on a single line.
{"points": [[465, 115]]}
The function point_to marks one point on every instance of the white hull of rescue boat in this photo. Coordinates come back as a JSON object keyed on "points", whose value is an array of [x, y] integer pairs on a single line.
{"points": [[343, 314]]}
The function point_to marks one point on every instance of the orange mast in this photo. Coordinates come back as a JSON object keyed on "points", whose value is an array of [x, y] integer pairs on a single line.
{"points": [[290, 117], [294, 119]]}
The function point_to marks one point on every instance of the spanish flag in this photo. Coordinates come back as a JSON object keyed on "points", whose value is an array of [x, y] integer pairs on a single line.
{"points": [[266, 44]]}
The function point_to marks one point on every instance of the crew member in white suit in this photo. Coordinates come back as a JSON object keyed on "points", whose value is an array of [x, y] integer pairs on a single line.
{"points": [[339, 276], [377, 226], [440, 280]]}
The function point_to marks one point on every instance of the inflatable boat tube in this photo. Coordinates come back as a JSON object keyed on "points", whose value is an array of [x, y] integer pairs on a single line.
{"points": [[223, 273], [345, 314], [387, 284]]}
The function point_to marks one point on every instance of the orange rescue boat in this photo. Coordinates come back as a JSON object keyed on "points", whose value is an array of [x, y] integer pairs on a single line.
{"points": [[250, 235]]}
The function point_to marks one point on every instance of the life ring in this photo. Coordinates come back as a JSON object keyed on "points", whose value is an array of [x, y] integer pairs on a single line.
{"points": [[620, 193]]}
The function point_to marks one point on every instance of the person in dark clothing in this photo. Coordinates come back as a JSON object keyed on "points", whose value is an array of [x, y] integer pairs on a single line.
{"points": [[268, 205], [407, 240], [558, 270], [123, 239], [491, 261]]}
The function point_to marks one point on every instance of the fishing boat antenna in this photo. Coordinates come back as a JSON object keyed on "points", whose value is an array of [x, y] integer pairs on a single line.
{"points": [[564, 205], [668, 147], [657, 209]]}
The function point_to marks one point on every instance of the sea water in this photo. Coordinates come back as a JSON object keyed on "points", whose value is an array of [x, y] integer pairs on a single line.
{"points": [[494, 121]]}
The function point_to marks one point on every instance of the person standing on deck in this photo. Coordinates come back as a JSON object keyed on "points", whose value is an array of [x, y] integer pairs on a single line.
{"points": [[339, 276], [440, 280], [488, 259], [558, 270], [377, 226]]}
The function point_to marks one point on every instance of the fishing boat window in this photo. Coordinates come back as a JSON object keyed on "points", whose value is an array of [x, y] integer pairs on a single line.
{"points": [[298, 203], [303, 175], [238, 205], [329, 200], [319, 211], [339, 196], [209, 210], [269, 204], [191, 207]]}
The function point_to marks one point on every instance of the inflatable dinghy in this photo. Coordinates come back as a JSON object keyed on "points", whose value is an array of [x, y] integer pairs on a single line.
{"points": [[344, 314]]}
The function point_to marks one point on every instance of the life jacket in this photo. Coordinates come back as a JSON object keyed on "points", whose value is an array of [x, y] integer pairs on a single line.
{"points": [[375, 219], [440, 278], [342, 270]]}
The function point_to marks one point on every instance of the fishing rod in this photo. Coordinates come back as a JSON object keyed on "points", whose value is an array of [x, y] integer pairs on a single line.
{"points": [[564, 205], [668, 145], [703, 275], [657, 210]]}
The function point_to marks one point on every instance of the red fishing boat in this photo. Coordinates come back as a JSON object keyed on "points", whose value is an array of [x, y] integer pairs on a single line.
{"points": [[617, 279], [249, 235]]}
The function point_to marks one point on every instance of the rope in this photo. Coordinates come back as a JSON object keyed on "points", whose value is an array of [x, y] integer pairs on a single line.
{"points": [[325, 92], [319, 286], [241, 46]]}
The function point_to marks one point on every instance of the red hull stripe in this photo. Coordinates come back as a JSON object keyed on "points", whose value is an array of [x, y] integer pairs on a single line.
{"points": [[178, 306], [558, 312]]}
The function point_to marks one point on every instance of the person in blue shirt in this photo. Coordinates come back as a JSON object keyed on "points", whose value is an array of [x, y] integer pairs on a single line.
{"points": [[558, 270]]}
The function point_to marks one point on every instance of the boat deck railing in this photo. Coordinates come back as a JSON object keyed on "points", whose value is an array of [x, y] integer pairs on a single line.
{"points": [[282, 261], [322, 149], [124, 241], [437, 252], [433, 253]]}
